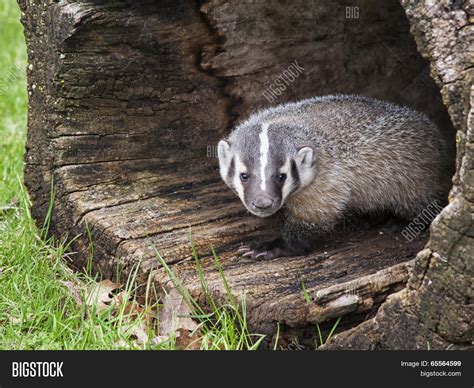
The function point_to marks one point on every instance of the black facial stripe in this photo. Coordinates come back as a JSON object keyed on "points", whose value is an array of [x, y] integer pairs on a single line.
{"points": [[231, 171], [295, 175], [230, 175]]}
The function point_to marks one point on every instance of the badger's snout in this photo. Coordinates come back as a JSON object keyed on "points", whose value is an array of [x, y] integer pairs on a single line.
{"points": [[262, 203]]}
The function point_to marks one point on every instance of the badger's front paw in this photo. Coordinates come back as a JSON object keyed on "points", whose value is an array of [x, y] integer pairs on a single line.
{"points": [[268, 250]]}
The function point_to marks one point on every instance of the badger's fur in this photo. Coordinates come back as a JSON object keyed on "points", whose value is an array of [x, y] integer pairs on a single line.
{"points": [[325, 157]]}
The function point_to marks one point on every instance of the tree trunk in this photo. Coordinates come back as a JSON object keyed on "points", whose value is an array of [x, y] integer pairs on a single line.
{"points": [[436, 308], [128, 99]]}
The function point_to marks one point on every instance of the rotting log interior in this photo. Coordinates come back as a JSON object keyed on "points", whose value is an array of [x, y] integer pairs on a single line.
{"points": [[128, 99]]}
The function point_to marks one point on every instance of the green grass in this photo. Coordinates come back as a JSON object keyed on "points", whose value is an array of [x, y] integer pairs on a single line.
{"points": [[223, 326], [36, 310], [13, 101]]}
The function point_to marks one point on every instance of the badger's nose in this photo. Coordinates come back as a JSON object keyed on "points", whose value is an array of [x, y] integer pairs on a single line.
{"points": [[262, 203]]}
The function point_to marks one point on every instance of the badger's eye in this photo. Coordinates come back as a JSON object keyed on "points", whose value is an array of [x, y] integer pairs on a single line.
{"points": [[281, 178], [244, 177]]}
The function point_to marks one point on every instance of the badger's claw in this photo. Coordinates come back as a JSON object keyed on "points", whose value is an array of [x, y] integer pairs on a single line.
{"points": [[247, 254], [262, 254], [258, 254], [266, 251]]}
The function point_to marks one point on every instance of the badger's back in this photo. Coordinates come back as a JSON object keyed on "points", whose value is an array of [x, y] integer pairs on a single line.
{"points": [[370, 155]]}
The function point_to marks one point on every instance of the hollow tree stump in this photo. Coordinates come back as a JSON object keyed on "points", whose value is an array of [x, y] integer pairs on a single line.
{"points": [[436, 309], [128, 99]]}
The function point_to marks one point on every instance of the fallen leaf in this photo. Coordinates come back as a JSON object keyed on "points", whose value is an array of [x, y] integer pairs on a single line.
{"points": [[123, 344], [137, 331], [175, 318], [100, 294], [138, 322], [19, 321], [131, 308], [158, 340], [73, 289], [188, 340], [175, 314]]}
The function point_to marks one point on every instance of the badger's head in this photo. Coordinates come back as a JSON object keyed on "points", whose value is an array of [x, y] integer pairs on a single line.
{"points": [[261, 165]]}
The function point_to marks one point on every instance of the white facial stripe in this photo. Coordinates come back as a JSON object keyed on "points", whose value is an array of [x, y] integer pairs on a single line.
{"points": [[239, 168], [286, 189], [264, 147]]}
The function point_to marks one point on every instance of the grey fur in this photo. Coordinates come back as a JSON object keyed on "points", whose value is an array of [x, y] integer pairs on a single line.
{"points": [[369, 155]]}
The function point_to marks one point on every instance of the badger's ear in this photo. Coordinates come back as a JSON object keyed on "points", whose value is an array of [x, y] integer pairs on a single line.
{"points": [[225, 157], [224, 152], [305, 164], [305, 157]]}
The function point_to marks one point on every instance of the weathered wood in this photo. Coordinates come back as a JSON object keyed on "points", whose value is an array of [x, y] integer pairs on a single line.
{"points": [[129, 98], [436, 309], [364, 266]]}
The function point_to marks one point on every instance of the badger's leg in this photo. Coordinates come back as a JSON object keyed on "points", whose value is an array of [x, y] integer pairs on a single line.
{"points": [[298, 239]]}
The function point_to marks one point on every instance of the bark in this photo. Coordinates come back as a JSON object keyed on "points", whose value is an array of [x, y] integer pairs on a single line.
{"points": [[436, 309], [129, 98]]}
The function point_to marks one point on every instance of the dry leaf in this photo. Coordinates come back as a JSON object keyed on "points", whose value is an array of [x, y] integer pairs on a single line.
{"points": [[73, 289], [158, 340], [175, 317], [133, 310], [175, 314], [19, 321], [137, 331], [100, 294], [138, 322], [130, 308], [188, 340]]}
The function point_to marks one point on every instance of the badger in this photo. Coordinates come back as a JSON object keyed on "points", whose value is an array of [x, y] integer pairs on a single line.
{"points": [[325, 158]]}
